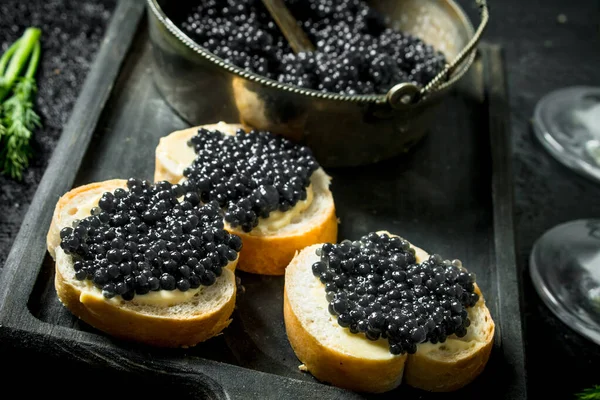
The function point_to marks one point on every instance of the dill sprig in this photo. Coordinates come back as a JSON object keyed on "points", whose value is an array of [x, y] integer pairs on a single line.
{"points": [[19, 119], [17, 116], [2, 127], [592, 393]]}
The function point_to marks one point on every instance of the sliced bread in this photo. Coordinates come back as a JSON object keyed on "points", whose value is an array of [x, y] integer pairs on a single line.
{"points": [[334, 355], [181, 319], [265, 251]]}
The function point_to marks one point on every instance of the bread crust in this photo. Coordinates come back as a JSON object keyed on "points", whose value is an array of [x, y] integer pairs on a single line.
{"points": [[252, 112], [161, 171], [337, 368], [53, 236], [261, 254], [270, 255], [423, 370], [130, 325], [156, 330], [446, 375]]}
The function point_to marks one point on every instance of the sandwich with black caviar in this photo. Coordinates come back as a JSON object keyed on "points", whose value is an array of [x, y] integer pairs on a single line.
{"points": [[274, 194], [370, 314], [144, 262]]}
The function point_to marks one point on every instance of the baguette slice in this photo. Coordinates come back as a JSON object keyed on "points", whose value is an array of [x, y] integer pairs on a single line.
{"points": [[351, 361], [268, 252], [184, 324], [77, 204], [173, 154]]}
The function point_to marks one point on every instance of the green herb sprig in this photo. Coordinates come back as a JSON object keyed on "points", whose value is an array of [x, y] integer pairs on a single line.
{"points": [[592, 393], [17, 116]]}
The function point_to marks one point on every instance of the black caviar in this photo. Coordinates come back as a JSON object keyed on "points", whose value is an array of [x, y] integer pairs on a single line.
{"points": [[355, 52], [143, 239], [249, 174], [375, 286]]}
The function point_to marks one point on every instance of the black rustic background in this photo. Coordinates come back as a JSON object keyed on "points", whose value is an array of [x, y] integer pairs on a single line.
{"points": [[549, 44]]}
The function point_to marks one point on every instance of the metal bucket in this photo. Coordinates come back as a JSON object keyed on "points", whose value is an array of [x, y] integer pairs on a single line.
{"points": [[342, 130]]}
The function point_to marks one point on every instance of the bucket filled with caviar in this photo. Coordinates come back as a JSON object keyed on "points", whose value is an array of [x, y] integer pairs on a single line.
{"points": [[368, 92]]}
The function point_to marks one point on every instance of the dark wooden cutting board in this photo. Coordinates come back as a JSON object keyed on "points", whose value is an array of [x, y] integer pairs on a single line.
{"points": [[452, 194]]}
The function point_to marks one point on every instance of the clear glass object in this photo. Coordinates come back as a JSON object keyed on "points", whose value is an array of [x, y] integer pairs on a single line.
{"points": [[565, 261], [565, 269], [567, 123]]}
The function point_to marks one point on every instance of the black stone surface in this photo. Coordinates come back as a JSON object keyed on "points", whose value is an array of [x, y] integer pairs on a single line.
{"points": [[71, 33], [549, 44]]}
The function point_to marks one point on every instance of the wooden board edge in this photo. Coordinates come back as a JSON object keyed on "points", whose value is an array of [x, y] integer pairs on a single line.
{"points": [[509, 333]]}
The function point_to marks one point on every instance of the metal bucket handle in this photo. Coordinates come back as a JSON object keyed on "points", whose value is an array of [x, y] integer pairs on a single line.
{"points": [[406, 94]]}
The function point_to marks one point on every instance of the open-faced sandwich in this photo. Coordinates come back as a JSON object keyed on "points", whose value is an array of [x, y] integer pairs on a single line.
{"points": [[370, 314], [275, 196], [144, 262]]}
